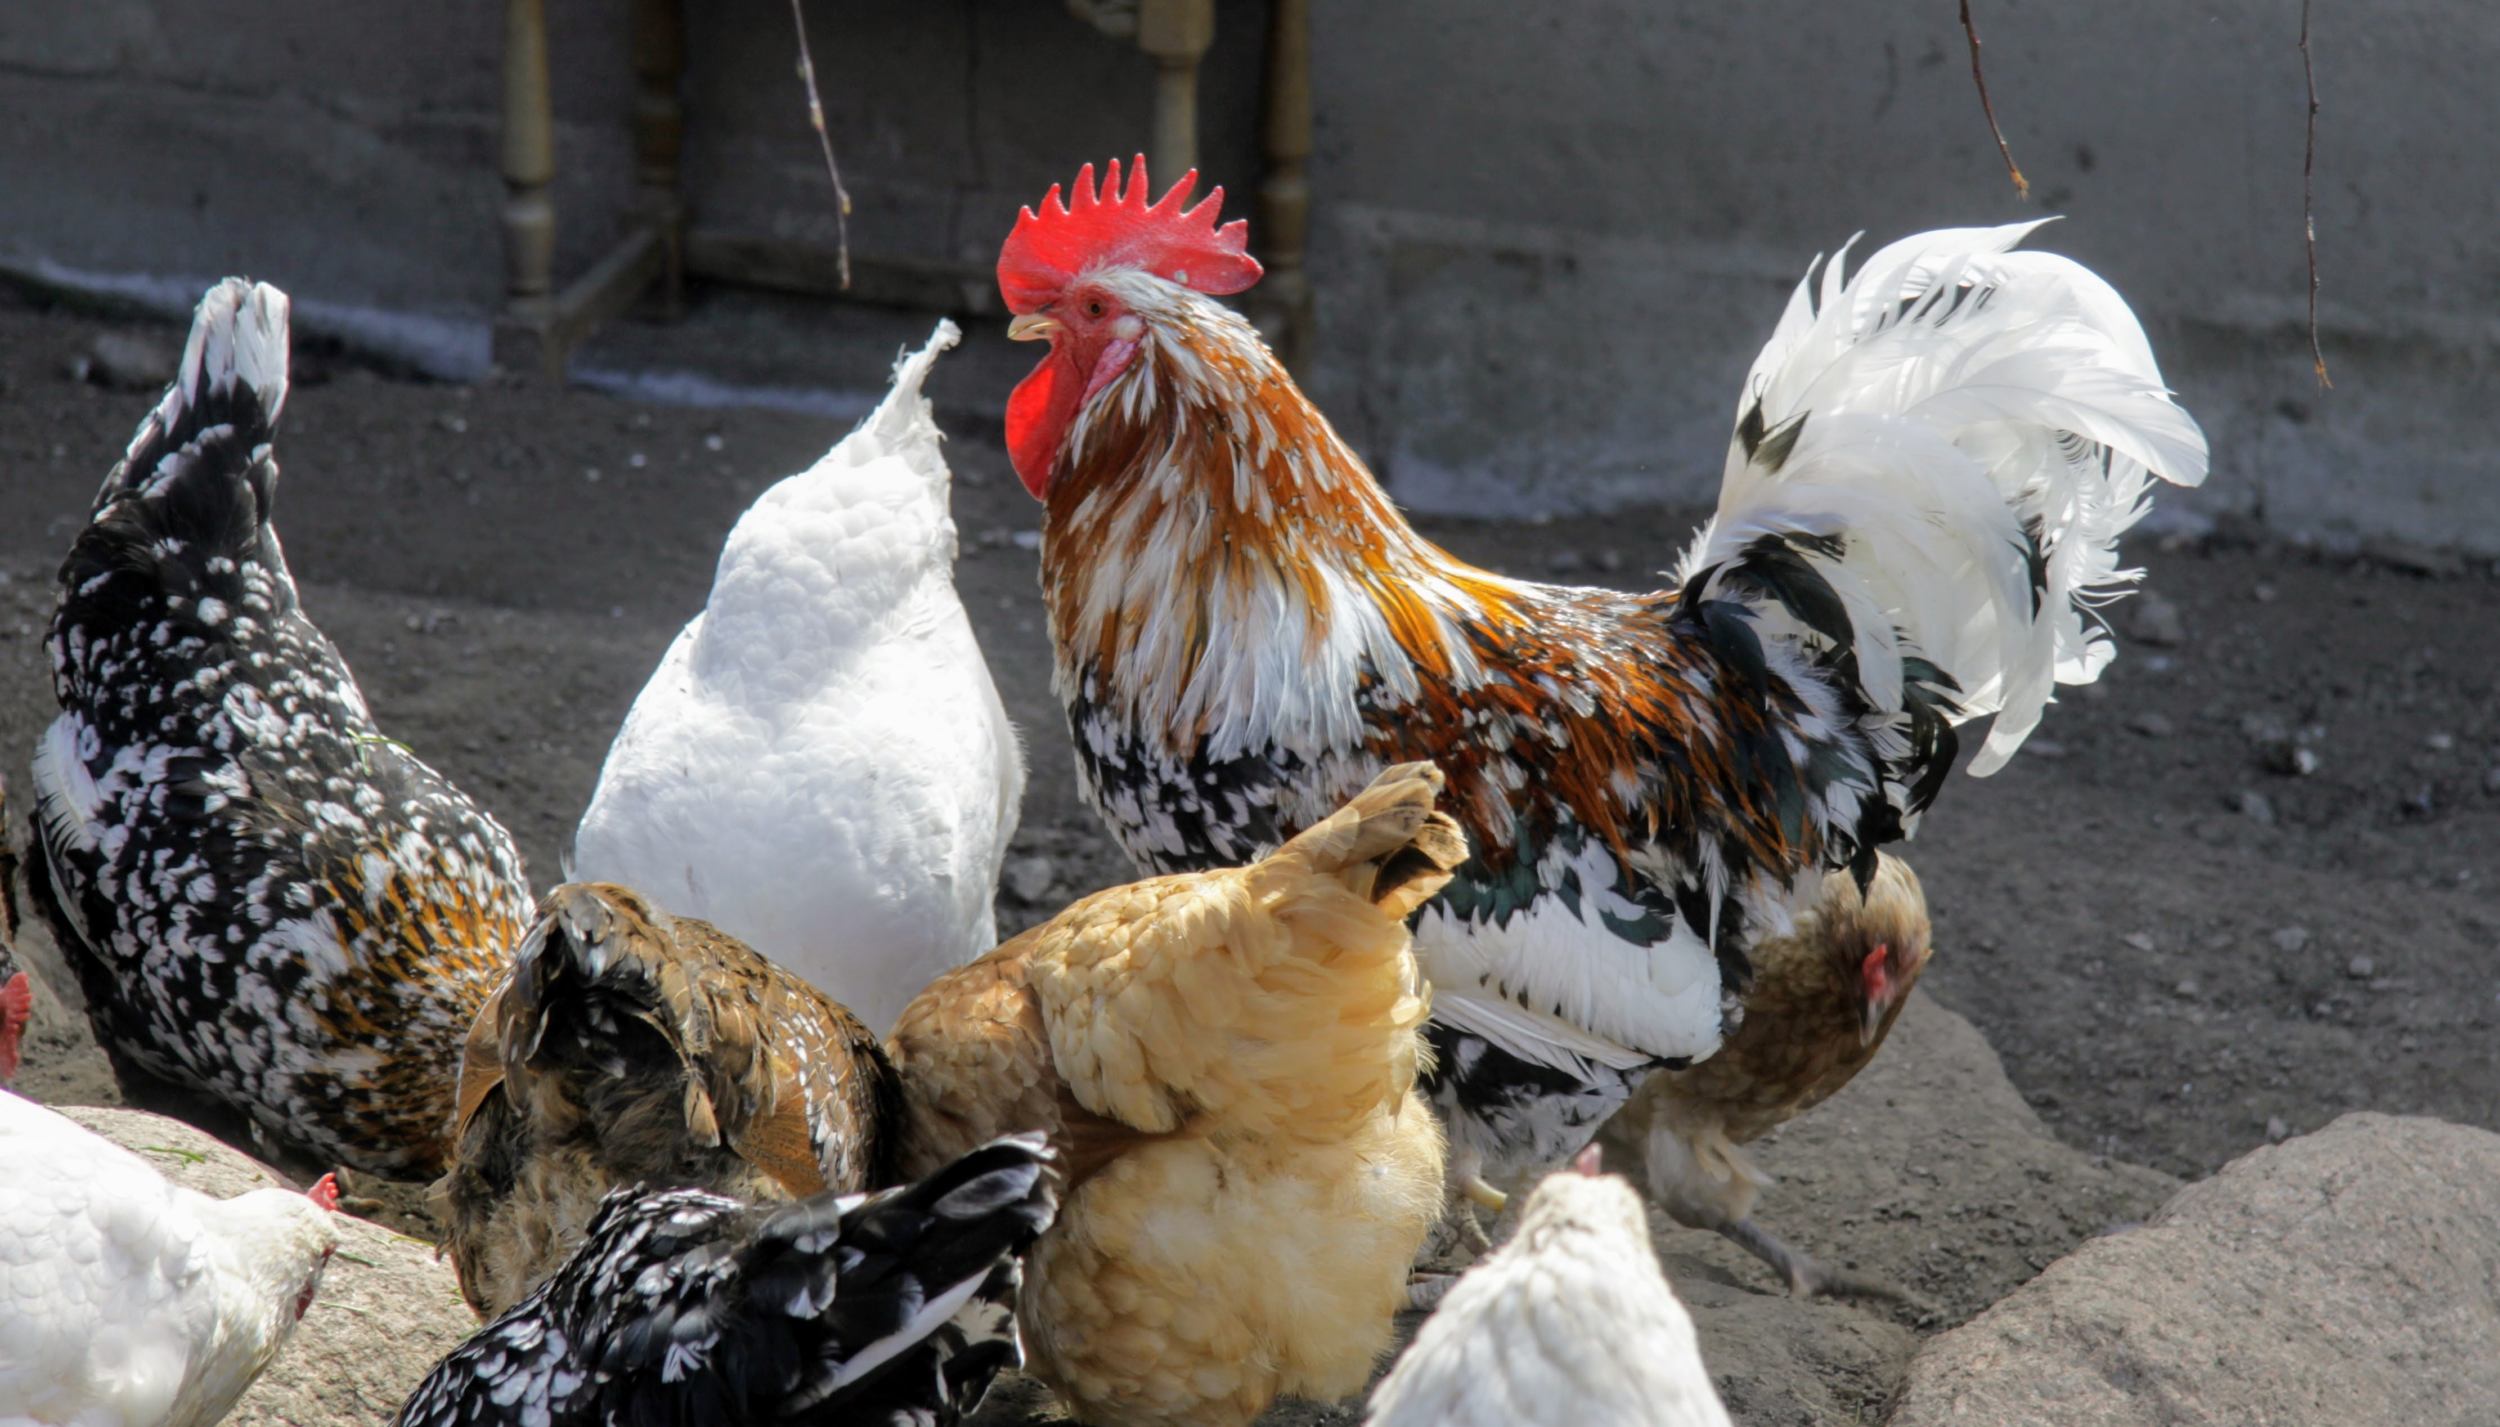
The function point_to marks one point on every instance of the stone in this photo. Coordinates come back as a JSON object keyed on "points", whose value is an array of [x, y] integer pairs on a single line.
{"points": [[2152, 725], [2340, 1277], [126, 361], [2290, 940], [2413, 558], [2153, 619], [388, 1310], [2361, 968], [2254, 806], [1030, 879]]}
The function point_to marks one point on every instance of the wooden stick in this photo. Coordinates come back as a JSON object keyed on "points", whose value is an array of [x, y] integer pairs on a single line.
{"points": [[2308, 199], [816, 117], [2022, 185]]}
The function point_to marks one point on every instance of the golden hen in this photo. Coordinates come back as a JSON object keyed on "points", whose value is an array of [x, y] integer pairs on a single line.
{"points": [[1823, 1000], [1227, 1062], [630, 1047]]}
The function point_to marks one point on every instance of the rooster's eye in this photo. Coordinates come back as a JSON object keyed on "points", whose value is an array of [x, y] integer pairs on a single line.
{"points": [[1094, 308]]}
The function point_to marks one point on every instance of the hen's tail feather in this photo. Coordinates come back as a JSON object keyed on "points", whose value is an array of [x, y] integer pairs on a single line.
{"points": [[230, 389], [933, 1264], [586, 982], [902, 422], [1389, 843], [1931, 467]]}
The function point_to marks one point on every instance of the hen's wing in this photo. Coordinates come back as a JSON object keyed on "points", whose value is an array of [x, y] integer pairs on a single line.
{"points": [[683, 1307], [630, 1046], [1571, 1321]]}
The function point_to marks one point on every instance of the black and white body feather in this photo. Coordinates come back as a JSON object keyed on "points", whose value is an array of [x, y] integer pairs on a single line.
{"points": [[684, 1307], [264, 899]]}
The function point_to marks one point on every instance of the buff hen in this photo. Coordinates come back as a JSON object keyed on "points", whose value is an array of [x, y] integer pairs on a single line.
{"points": [[1824, 999], [632, 1047], [1227, 1063]]}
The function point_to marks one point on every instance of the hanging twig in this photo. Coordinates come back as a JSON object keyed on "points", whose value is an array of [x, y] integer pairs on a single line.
{"points": [[2308, 198], [2022, 185], [816, 117]]}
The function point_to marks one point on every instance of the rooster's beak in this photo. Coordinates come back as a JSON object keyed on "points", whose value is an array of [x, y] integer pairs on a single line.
{"points": [[1031, 327]]}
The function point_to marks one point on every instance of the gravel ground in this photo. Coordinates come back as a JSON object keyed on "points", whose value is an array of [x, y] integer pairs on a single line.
{"points": [[2241, 886]]}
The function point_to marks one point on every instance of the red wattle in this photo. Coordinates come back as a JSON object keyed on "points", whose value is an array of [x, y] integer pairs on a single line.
{"points": [[1037, 420]]}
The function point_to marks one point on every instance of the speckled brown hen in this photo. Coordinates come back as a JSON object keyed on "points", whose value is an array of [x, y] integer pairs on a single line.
{"points": [[631, 1047], [1823, 1000], [1227, 1063]]}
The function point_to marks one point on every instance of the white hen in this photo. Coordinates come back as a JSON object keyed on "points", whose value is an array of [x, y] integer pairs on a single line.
{"points": [[821, 766], [127, 1301], [1570, 1321]]}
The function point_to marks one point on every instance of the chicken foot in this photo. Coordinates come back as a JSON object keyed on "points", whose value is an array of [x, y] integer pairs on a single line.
{"points": [[1809, 1277]]}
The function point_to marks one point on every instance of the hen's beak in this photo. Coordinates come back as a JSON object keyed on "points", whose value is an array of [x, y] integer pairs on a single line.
{"points": [[1031, 327]]}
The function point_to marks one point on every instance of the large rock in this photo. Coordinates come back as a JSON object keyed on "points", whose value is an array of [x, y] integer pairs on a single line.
{"points": [[386, 1312], [2346, 1277]]}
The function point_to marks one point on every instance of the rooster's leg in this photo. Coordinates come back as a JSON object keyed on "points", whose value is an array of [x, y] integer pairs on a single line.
{"points": [[1808, 1277], [1424, 1291]]}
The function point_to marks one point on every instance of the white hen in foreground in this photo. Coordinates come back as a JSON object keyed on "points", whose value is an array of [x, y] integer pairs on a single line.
{"points": [[821, 766], [1570, 1321], [127, 1301]]}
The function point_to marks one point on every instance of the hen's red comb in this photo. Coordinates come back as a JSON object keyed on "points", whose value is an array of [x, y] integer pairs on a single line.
{"points": [[17, 1002], [325, 1192], [1112, 226]]}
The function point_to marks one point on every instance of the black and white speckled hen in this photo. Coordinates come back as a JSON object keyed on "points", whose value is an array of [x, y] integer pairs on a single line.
{"points": [[629, 1046], [684, 1307], [265, 900]]}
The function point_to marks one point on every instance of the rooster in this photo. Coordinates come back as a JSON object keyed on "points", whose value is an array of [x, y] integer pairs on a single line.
{"points": [[1571, 1321], [264, 898], [1931, 464], [821, 766], [683, 1308], [629, 1046], [129, 1300], [1824, 998], [1226, 1061]]}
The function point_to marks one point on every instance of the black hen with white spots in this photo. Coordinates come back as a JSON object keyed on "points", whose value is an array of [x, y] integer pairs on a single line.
{"points": [[682, 1307], [265, 900]]}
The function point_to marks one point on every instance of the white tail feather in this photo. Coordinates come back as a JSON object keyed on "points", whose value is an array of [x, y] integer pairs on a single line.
{"points": [[1952, 395], [238, 335]]}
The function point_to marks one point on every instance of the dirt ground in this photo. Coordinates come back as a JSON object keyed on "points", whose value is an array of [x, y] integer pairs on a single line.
{"points": [[2241, 886]]}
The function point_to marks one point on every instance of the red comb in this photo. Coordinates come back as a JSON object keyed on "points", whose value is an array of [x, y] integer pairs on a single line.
{"points": [[325, 1192], [1112, 226], [17, 1002]]}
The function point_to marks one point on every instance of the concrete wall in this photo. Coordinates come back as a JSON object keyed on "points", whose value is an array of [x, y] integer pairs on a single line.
{"points": [[1549, 236]]}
